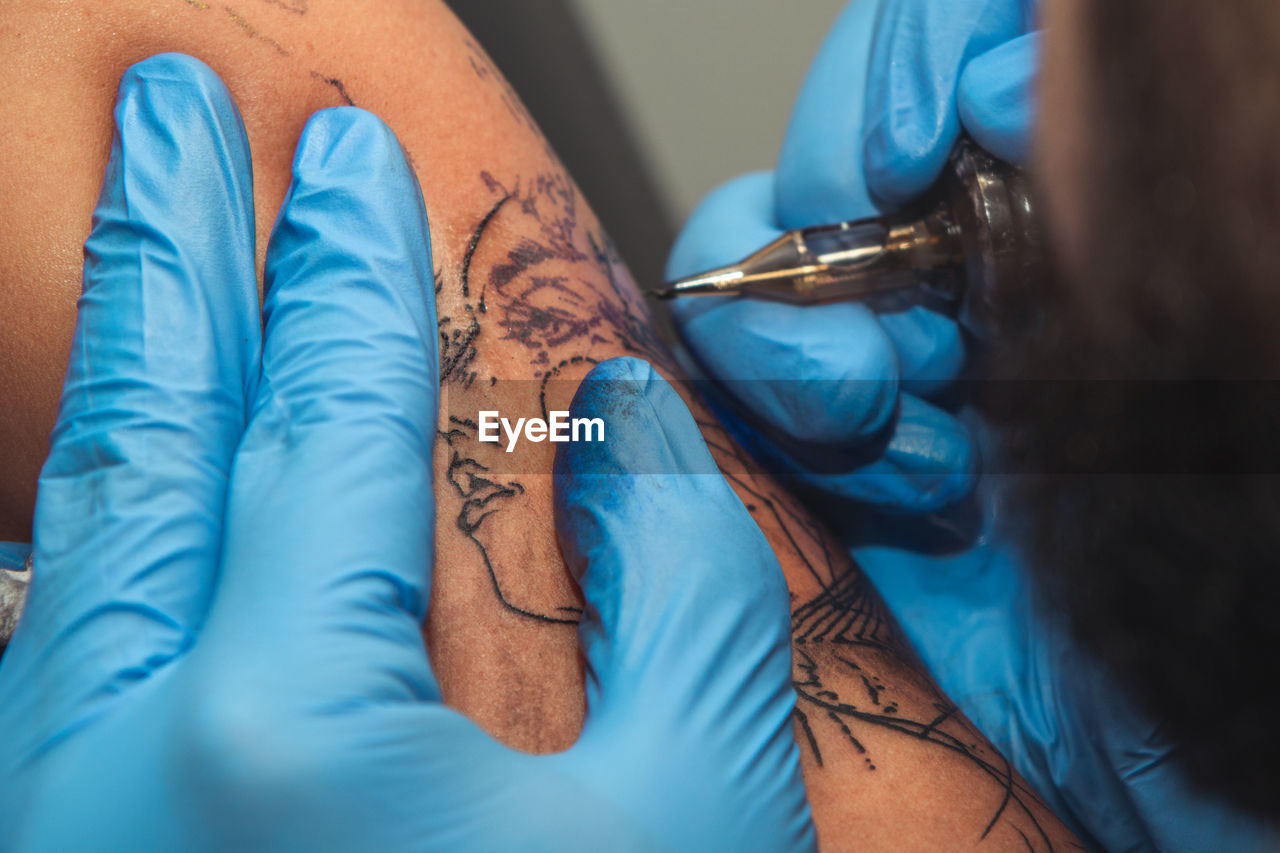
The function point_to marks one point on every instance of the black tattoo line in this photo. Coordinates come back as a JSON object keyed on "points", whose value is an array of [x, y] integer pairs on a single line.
{"points": [[252, 32], [336, 84], [483, 495], [297, 7]]}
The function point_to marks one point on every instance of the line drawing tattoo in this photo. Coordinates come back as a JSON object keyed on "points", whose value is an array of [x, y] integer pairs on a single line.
{"points": [[485, 70], [336, 84], [543, 294], [252, 32], [483, 494], [296, 7], [843, 639]]}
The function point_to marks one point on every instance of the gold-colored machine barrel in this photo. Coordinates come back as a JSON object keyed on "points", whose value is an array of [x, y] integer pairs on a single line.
{"points": [[973, 236]]}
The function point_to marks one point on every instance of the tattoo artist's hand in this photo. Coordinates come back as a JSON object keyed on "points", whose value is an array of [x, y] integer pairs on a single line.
{"points": [[222, 649], [844, 396]]}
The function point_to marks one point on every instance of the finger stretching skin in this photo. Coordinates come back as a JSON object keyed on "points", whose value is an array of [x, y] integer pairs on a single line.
{"points": [[129, 513], [330, 532], [686, 630]]}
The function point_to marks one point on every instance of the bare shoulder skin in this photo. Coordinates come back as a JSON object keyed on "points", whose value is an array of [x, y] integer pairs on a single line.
{"points": [[531, 294]]}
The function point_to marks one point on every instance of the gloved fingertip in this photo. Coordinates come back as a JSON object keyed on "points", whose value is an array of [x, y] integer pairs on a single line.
{"points": [[173, 113], [918, 56], [174, 215], [930, 348], [354, 215], [175, 120], [901, 164], [645, 432], [819, 176], [668, 558], [996, 98], [822, 373], [346, 141], [853, 370], [647, 428], [910, 126], [934, 456], [140, 81]]}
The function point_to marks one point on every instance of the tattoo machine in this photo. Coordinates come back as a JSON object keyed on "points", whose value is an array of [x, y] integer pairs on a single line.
{"points": [[973, 236]]}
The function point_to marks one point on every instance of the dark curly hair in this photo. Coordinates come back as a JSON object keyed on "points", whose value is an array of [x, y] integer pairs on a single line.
{"points": [[1142, 411]]}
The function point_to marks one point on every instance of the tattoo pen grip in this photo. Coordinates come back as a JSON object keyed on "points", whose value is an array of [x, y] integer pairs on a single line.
{"points": [[973, 236]]}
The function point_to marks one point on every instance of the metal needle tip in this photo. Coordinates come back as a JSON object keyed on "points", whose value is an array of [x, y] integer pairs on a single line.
{"points": [[722, 280]]}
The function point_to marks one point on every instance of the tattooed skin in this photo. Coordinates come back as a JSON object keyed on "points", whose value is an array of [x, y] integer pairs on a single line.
{"points": [[558, 295], [530, 295]]}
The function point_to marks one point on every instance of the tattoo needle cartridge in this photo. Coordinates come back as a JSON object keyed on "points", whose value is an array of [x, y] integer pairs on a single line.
{"points": [[973, 236]]}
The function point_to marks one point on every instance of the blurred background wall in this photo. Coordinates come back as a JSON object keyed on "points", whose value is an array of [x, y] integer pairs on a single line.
{"points": [[651, 103], [706, 84]]}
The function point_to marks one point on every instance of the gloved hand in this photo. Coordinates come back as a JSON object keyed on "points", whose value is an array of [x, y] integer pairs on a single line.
{"points": [[233, 547], [879, 113], [1054, 711]]}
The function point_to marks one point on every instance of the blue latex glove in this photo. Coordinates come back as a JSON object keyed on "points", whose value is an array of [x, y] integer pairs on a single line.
{"points": [[879, 112], [233, 547]]}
